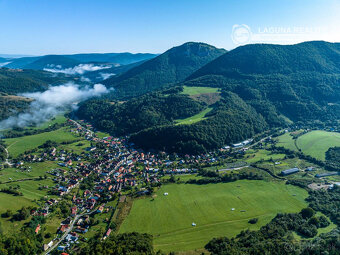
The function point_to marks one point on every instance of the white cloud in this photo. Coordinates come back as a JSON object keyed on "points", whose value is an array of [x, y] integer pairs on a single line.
{"points": [[52, 102], [4, 63], [105, 76], [79, 69]]}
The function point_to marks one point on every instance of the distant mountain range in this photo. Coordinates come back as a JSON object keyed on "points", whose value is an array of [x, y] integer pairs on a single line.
{"points": [[67, 61]]}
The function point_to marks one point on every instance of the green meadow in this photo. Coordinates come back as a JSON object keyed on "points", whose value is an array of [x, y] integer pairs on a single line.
{"points": [[193, 119], [198, 90], [253, 156], [316, 143], [287, 141], [19, 145], [37, 170], [169, 218], [56, 120]]}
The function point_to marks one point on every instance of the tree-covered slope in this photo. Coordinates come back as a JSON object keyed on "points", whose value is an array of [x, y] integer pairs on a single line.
{"points": [[20, 62], [19, 81], [52, 61], [139, 113], [151, 121], [261, 86], [232, 120], [172, 66], [10, 104], [124, 58], [300, 81], [103, 74], [316, 56]]}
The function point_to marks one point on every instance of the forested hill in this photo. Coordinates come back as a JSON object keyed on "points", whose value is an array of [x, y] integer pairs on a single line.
{"points": [[140, 113], [13, 81], [153, 120], [300, 81], [172, 66], [51, 60], [260, 86], [266, 59]]}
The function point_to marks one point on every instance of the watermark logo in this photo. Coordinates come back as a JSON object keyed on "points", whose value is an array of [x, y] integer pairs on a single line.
{"points": [[241, 34]]}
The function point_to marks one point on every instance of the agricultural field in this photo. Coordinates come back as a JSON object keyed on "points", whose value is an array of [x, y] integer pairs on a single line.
{"points": [[36, 170], [56, 120], [198, 90], [287, 141], [169, 218], [19, 145], [316, 143], [193, 119], [253, 156]]}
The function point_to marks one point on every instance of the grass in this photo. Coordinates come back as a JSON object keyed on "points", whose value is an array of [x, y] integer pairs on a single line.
{"points": [[56, 120], [316, 143], [37, 169], [8, 201], [102, 134], [30, 189], [253, 156], [169, 218], [76, 147], [287, 141], [19, 145], [193, 119], [198, 90]]}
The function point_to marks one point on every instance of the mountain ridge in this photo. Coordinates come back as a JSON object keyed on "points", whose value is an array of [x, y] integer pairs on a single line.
{"points": [[172, 66]]}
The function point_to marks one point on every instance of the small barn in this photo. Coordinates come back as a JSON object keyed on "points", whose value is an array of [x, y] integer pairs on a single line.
{"points": [[290, 171]]}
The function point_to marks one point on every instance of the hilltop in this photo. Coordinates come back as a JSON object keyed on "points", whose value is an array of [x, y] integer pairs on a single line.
{"points": [[172, 66], [298, 81]]}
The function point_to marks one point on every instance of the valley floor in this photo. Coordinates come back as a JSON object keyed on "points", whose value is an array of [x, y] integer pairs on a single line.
{"points": [[169, 217]]}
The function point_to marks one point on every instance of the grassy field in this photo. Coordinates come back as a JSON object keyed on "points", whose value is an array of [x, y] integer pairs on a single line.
{"points": [[76, 147], [169, 218], [56, 120], [287, 141], [198, 90], [37, 169], [19, 145], [316, 143], [253, 156], [193, 119]]}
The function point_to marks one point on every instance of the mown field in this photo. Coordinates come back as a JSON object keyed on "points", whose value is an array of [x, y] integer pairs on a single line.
{"points": [[19, 145], [287, 141], [316, 143], [198, 90], [169, 218], [193, 119]]}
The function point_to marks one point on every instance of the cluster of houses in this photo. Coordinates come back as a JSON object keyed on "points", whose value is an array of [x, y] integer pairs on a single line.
{"points": [[113, 165]]}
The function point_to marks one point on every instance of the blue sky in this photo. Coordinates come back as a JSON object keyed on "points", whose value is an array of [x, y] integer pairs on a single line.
{"points": [[38, 27]]}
